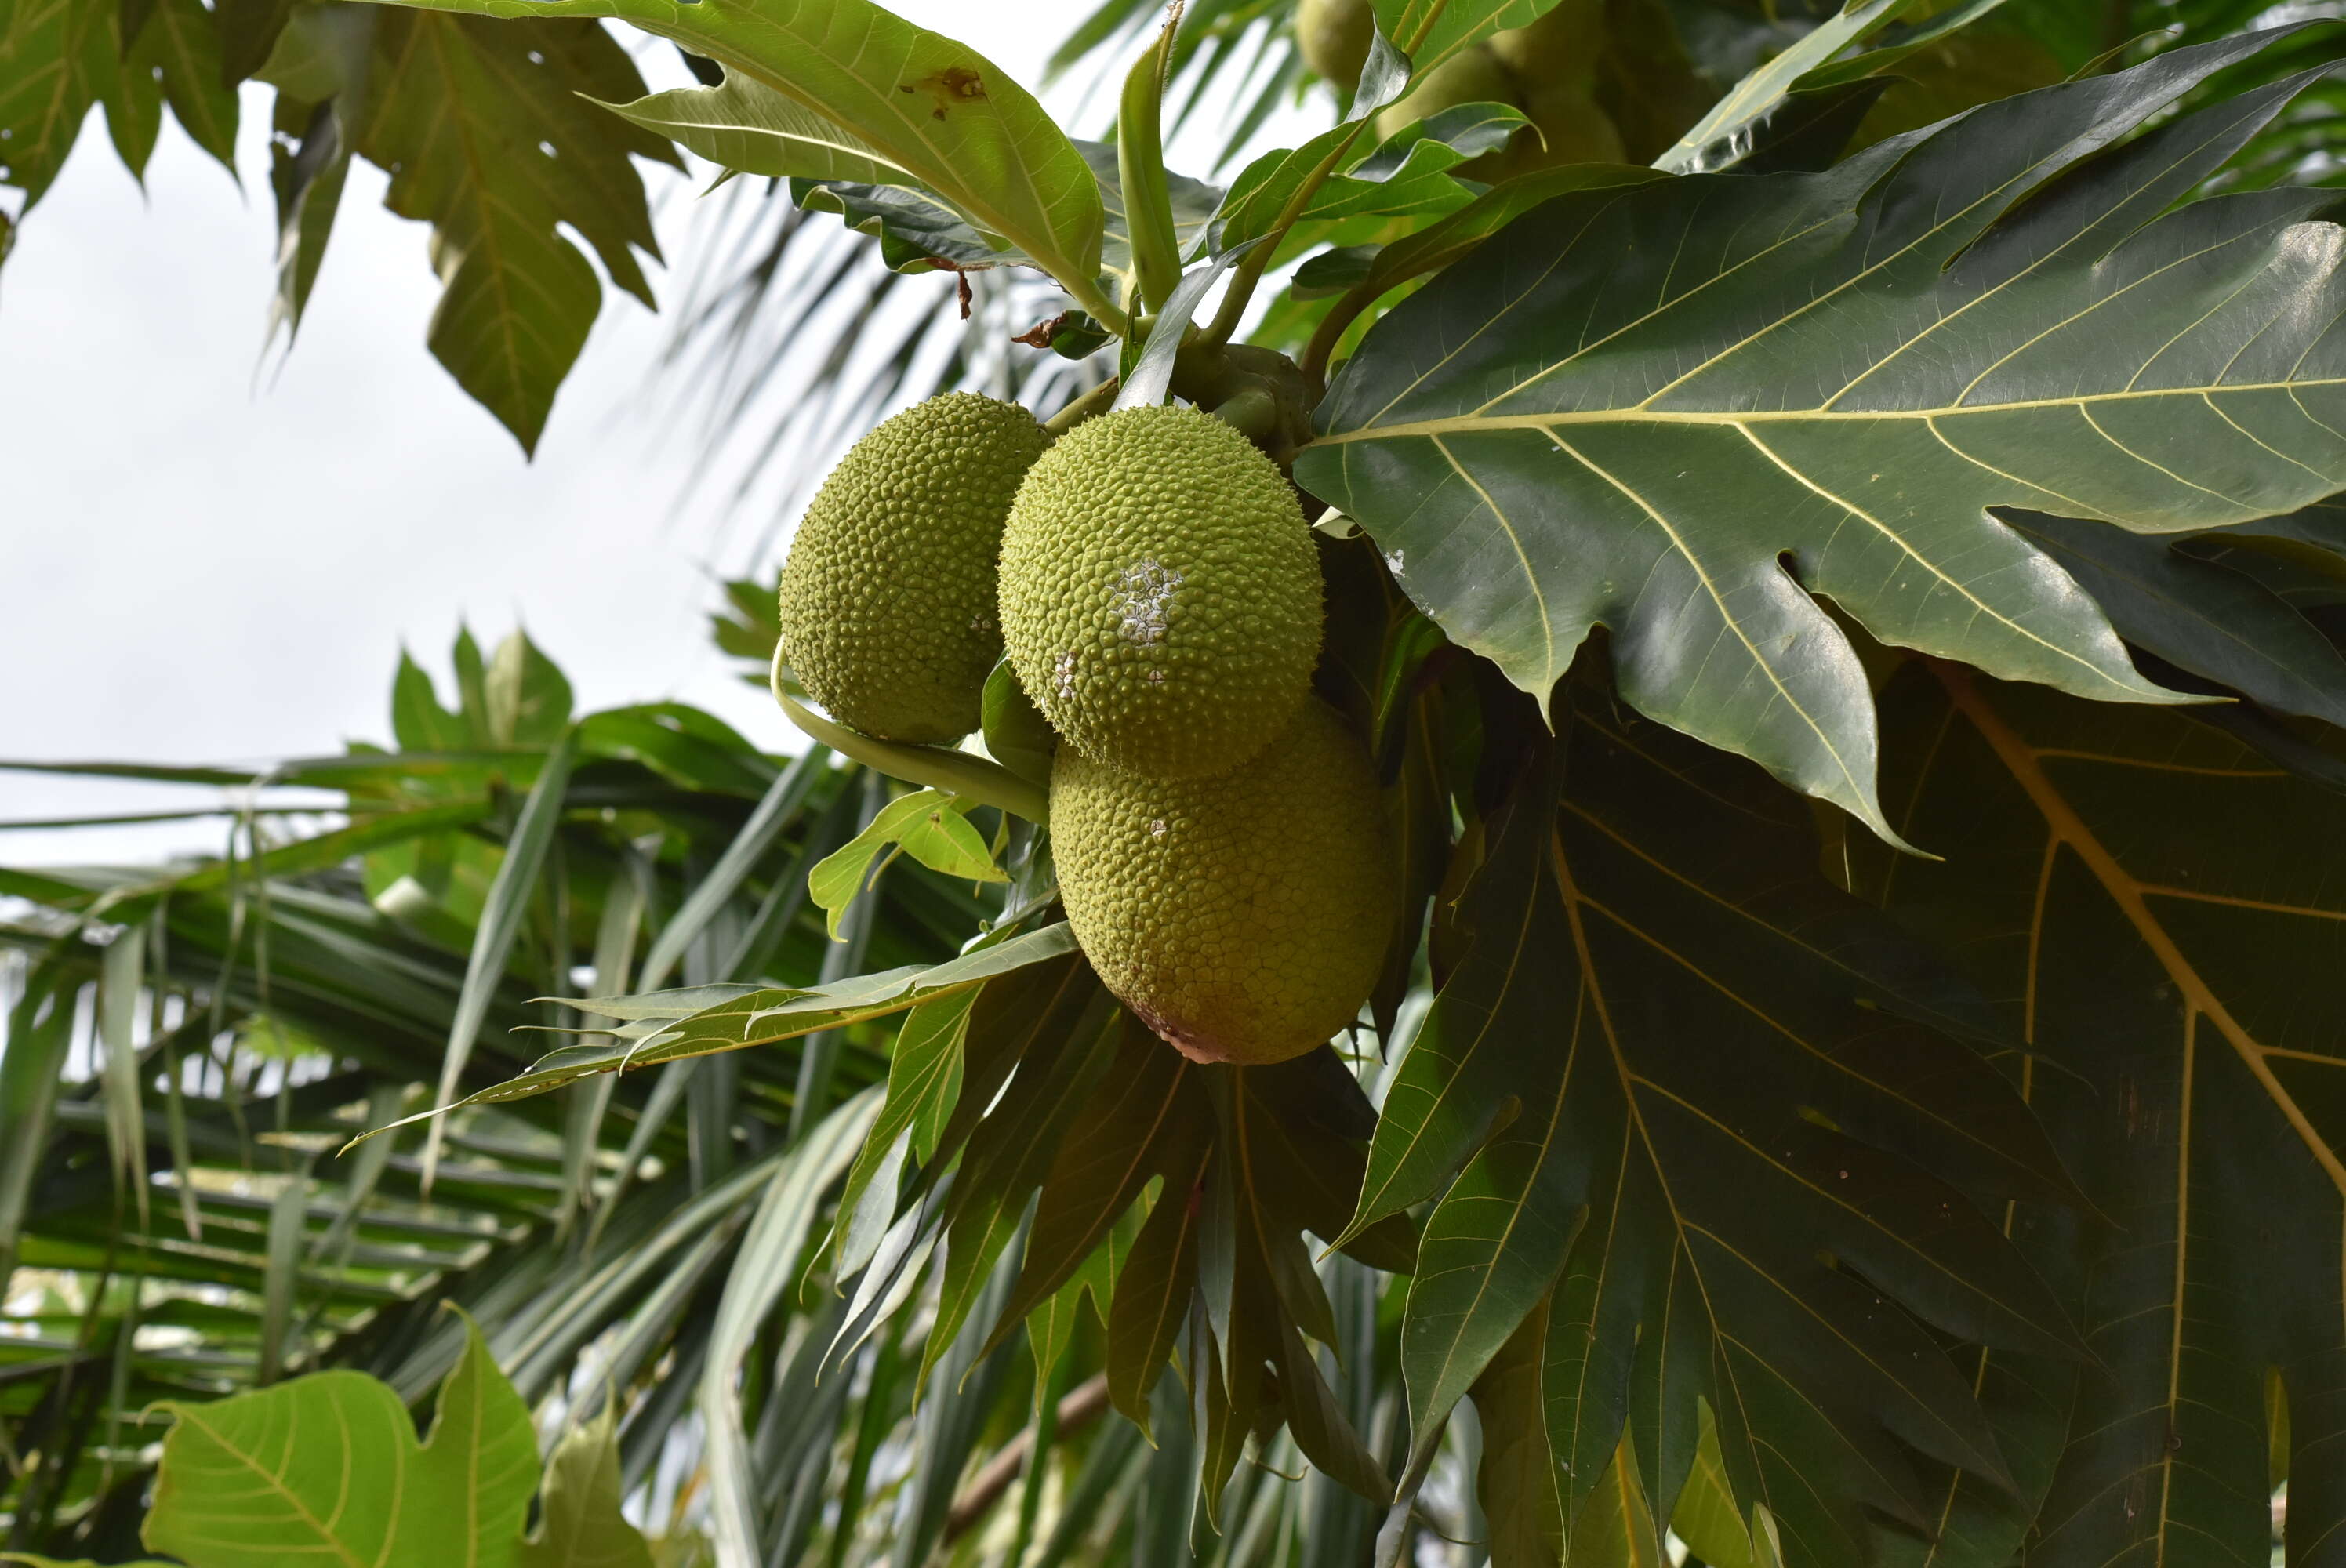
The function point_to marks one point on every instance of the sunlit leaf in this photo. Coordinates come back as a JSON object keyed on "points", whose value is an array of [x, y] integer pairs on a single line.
{"points": [[928, 825], [932, 108], [243, 1486], [1633, 407]]}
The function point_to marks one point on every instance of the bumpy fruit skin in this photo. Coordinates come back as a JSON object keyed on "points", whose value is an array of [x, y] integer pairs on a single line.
{"points": [[888, 600], [1160, 595], [1243, 918], [1333, 37]]}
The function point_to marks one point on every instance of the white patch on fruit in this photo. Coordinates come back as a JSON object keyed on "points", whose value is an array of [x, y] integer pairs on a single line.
{"points": [[1156, 829], [1144, 597], [1064, 675]]}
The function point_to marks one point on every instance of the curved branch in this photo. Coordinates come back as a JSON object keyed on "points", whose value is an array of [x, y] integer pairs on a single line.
{"points": [[1082, 1405]]}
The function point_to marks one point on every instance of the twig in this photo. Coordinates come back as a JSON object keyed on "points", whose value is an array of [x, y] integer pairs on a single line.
{"points": [[1080, 1406]]}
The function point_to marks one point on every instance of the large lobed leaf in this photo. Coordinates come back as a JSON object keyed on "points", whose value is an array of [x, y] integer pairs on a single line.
{"points": [[1718, 1122], [2162, 911], [327, 1468], [1681, 409], [485, 136], [59, 58], [944, 115]]}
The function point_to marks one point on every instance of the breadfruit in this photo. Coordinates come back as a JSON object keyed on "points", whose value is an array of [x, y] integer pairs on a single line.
{"points": [[1333, 37], [888, 614], [1472, 76], [1563, 45], [1160, 594], [1568, 125], [1243, 918]]}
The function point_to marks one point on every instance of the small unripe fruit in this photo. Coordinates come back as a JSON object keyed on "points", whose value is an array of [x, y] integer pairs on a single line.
{"points": [[1333, 37], [888, 613], [1564, 44], [1243, 918]]}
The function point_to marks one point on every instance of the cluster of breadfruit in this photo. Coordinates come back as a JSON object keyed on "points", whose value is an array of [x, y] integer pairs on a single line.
{"points": [[1548, 70], [1217, 831]]}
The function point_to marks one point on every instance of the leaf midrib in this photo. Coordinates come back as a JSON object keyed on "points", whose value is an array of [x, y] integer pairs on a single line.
{"points": [[1642, 413], [195, 1418], [2069, 830]]}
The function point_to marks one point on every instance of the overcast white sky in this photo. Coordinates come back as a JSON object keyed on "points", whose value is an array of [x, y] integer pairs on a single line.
{"points": [[202, 566]]}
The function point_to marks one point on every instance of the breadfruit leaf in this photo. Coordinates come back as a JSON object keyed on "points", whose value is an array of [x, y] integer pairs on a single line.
{"points": [[947, 117], [1740, 1167], [2183, 1053], [927, 825], [1431, 31], [59, 58], [579, 1523], [487, 137], [2208, 618], [1007, 1155], [328, 1468], [743, 124], [1409, 173], [1681, 409], [1149, 1120], [1718, 139]]}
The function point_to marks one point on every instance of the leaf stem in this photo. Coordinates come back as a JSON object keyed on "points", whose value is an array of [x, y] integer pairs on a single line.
{"points": [[937, 767], [1249, 270], [1095, 402], [1098, 305]]}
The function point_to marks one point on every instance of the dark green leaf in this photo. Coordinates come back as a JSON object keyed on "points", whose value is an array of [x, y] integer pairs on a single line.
{"points": [[1152, 1297], [1147, 1119], [1700, 1047], [2204, 618], [2160, 908]]}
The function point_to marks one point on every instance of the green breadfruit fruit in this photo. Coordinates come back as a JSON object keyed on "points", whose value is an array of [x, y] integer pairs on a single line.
{"points": [[888, 600], [1333, 37], [1160, 594], [1472, 76], [1568, 126], [1243, 918], [1553, 64], [1564, 45]]}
